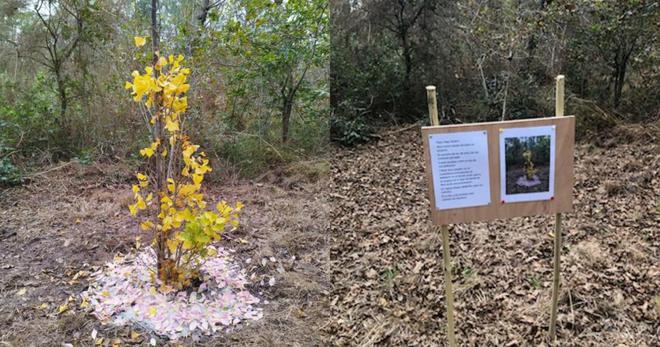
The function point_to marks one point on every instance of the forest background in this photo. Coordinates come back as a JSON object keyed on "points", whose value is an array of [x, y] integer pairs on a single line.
{"points": [[274, 81], [492, 60], [258, 96]]}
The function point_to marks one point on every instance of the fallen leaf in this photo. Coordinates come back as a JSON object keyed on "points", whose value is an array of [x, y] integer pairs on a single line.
{"points": [[62, 308], [135, 335]]}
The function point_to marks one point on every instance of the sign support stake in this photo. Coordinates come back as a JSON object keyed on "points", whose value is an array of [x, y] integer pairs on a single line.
{"points": [[449, 292], [559, 112]]}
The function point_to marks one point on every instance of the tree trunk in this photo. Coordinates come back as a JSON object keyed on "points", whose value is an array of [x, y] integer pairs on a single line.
{"points": [[287, 105], [159, 169], [620, 66], [203, 12], [61, 90]]}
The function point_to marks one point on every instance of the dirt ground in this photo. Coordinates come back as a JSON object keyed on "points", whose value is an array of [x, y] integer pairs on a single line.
{"points": [[386, 263], [71, 220]]}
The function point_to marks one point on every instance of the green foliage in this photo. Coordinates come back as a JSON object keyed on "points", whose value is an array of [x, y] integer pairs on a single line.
{"points": [[350, 132], [283, 43], [28, 116], [10, 175], [252, 154]]}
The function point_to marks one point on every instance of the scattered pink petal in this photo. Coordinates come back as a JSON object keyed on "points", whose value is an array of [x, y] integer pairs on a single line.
{"points": [[220, 302]]}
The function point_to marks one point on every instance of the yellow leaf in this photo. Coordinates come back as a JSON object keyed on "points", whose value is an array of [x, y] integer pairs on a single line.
{"points": [[140, 203], [147, 152], [62, 308], [152, 311], [133, 209], [141, 177], [84, 303], [140, 41], [136, 188], [171, 125], [165, 200], [105, 294], [180, 104], [239, 206], [146, 225], [160, 63], [99, 341], [128, 85], [172, 245], [43, 306], [197, 179]]}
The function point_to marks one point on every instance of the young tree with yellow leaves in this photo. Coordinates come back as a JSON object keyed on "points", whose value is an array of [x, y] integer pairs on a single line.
{"points": [[170, 194]]}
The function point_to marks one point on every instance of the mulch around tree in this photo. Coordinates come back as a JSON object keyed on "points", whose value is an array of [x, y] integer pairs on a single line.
{"points": [[386, 261]]}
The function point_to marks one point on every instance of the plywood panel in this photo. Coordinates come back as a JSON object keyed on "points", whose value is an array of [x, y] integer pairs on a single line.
{"points": [[563, 198]]}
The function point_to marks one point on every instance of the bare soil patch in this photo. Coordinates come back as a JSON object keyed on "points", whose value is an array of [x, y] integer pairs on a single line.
{"points": [[386, 262], [68, 222]]}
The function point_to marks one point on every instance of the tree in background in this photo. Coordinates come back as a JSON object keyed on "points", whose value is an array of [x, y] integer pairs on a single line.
{"points": [[614, 34], [282, 40]]}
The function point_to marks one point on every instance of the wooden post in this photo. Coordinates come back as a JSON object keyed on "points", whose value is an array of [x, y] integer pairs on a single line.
{"points": [[449, 292], [433, 105], [559, 112]]}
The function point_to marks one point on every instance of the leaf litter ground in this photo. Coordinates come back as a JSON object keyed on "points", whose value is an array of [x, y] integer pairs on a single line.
{"points": [[61, 229], [386, 262]]}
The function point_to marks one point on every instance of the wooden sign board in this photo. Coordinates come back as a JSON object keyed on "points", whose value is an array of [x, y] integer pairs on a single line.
{"points": [[486, 171]]}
